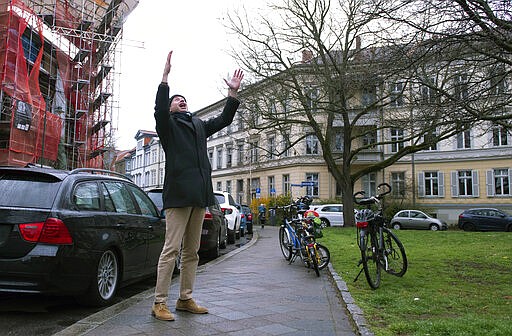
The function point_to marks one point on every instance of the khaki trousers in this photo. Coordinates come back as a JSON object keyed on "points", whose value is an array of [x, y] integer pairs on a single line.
{"points": [[182, 225]]}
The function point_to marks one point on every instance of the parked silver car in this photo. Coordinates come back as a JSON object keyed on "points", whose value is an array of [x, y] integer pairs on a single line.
{"points": [[415, 219], [330, 214]]}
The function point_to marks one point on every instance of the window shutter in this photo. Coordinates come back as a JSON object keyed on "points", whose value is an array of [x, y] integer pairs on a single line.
{"points": [[476, 185], [490, 182], [421, 184], [510, 181], [454, 183], [440, 178]]}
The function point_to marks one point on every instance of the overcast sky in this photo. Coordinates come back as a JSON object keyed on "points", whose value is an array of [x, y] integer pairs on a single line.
{"points": [[193, 30]]}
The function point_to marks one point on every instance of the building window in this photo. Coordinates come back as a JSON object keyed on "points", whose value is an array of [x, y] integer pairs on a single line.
{"points": [[229, 157], [286, 184], [368, 96], [312, 190], [219, 186], [271, 185], [228, 186], [461, 87], [498, 182], [430, 138], [397, 137], [497, 80], [370, 138], [153, 177], [210, 156], [240, 154], [162, 175], [499, 136], [286, 145], [272, 108], [219, 158], [311, 144], [146, 179], [312, 95], [396, 94], [464, 139], [398, 184], [428, 92], [271, 147], [338, 141], [369, 184], [431, 184], [140, 144], [465, 183], [254, 152], [31, 45]]}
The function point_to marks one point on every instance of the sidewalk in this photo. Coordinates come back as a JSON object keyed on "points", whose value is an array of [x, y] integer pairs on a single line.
{"points": [[249, 291]]}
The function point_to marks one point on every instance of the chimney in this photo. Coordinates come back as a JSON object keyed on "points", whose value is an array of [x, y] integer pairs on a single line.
{"points": [[307, 55]]}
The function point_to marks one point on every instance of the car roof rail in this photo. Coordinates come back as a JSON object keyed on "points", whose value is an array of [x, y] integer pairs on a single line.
{"points": [[100, 171], [37, 165]]}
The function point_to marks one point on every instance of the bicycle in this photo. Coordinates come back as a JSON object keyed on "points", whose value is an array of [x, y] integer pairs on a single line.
{"points": [[297, 238], [380, 248]]}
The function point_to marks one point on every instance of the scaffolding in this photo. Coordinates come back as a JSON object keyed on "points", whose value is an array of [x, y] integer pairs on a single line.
{"points": [[57, 76]]}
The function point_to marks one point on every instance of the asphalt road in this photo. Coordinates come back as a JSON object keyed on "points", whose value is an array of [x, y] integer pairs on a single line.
{"points": [[37, 315]]}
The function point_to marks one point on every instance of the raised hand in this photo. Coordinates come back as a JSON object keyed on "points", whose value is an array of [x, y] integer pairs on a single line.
{"points": [[234, 83], [167, 67]]}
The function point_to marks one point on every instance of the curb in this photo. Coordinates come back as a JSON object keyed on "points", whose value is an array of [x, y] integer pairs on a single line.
{"points": [[354, 312], [91, 322]]}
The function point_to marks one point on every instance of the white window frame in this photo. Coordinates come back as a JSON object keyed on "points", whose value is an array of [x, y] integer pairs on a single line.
{"points": [[501, 181], [464, 183], [422, 184]]}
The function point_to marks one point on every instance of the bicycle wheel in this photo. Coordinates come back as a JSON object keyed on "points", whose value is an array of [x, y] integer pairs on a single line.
{"points": [[314, 260], [323, 256], [285, 243], [395, 252], [369, 258]]}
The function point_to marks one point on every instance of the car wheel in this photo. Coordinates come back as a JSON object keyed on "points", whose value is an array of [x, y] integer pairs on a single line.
{"points": [[396, 226], [104, 282], [468, 226], [434, 227], [223, 240], [231, 236], [215, 251], [324, 222]]}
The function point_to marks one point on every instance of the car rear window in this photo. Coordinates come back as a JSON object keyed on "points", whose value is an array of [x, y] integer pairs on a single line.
{"points": [[220, 198], [156, 197], [29, 191]]}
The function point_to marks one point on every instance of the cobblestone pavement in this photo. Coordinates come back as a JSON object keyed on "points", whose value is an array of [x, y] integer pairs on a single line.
{"points": [[250, 291]]}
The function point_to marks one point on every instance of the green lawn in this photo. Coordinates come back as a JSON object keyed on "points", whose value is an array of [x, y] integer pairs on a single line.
{"points": [[457, 283]]}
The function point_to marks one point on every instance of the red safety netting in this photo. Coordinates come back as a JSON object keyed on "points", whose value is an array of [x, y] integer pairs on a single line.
{"points": [[34, 131]]}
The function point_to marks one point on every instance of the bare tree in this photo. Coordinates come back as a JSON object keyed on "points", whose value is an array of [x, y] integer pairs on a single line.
{"points": [[356, 85], [476, 35]]}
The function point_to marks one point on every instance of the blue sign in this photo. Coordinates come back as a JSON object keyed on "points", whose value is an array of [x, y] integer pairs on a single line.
{"points": [[307, 184]]}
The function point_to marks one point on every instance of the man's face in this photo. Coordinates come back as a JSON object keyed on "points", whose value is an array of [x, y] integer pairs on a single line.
{"points": [[179, 104]]}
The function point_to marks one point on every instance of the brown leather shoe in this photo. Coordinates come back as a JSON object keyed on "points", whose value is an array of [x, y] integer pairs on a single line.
{"points": [[190, 306], [161, 312]]}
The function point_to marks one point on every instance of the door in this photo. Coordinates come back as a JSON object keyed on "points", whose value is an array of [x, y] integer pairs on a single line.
{"points": [[129, 226]]}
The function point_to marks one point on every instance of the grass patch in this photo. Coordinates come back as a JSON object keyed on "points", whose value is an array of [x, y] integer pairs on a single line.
{"points": [[457, 283]]}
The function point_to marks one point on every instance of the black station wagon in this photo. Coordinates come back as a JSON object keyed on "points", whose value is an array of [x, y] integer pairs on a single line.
{"points": [[84, 233]]}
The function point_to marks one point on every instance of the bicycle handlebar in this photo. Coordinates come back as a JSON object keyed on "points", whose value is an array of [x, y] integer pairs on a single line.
{"points": [[361, 200]]}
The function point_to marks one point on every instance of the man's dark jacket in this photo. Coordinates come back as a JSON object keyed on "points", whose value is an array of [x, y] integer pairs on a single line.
{"points": [[187, 167]]}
